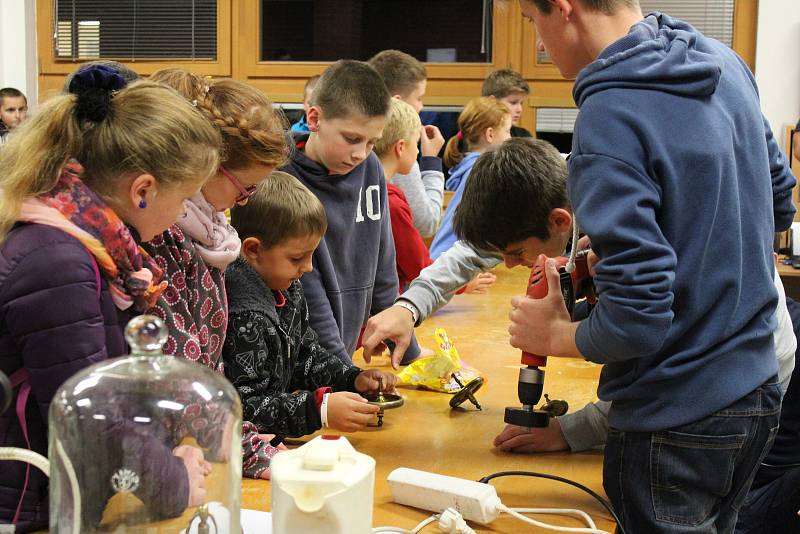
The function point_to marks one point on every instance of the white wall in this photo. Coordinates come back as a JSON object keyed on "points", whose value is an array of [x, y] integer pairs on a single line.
{"points": [[18, 47], [778, 62]]}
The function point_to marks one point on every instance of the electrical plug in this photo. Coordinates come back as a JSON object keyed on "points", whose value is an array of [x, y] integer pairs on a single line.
{"points": [[451, 522]]}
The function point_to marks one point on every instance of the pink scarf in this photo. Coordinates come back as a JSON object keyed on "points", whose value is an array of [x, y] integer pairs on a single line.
{"points": [[215, 240]]}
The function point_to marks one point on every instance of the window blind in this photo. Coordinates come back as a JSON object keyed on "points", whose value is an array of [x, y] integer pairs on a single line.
{"points": [[135, 29], [556, 120], [713, 18]]}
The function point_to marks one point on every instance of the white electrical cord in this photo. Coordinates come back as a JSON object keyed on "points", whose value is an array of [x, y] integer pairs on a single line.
{"points": [[73, 483], [515, 512], [451, 522], [27, 456], [39, 461], [580, 514], [574, 250], [420, 526]]}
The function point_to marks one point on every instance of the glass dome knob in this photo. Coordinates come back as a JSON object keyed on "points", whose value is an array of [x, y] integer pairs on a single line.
{"points": [[146, 334]]}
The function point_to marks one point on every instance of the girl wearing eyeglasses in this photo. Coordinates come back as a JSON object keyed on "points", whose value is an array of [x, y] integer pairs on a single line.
{"points": [[195, 251]]}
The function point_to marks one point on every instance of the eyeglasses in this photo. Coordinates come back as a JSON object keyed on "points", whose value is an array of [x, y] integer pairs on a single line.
{"points": [[244, 192]]}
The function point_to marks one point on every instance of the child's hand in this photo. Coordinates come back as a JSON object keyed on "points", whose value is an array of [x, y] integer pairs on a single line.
{"points": [[517, 439], [197, 468], [481, 283], [430, 140], [394, 323], [349, 412], [367, 381]]}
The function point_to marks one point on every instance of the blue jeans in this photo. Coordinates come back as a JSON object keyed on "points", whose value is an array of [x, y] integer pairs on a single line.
{"points": [[771, 508], [692, 478]]}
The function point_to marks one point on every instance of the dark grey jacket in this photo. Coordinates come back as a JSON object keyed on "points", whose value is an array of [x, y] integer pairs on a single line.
{"points": [[274, 358]]}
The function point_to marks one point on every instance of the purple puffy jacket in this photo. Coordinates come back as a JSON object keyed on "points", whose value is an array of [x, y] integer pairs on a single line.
{"points": [[53, 323]]}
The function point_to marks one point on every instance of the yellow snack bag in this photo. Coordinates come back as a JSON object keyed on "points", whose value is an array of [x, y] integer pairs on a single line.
{"points": [[436, 372]]}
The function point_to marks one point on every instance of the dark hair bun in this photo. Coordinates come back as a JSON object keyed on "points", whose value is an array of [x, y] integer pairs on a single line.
{"points": [[94, 86]]}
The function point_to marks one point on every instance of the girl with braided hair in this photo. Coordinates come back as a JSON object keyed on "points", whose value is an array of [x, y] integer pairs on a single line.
{"points": [[195, 251]]}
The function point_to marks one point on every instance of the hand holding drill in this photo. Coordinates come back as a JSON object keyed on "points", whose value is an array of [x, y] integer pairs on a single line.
{"points": [[544, 321]]}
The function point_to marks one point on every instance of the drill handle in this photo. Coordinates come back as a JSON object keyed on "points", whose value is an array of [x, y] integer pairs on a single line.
{"points": [[538, 289]]}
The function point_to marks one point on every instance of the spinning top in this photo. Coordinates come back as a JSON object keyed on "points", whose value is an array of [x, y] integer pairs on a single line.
{"points": [[555, 408], [204, 521], [467, 392], [384, 401]]}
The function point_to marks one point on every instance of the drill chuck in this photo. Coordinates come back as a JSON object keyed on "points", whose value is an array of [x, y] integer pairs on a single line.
{"points": [[530, 385], [529, 390]]}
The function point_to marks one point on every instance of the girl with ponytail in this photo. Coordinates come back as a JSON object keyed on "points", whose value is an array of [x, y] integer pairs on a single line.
{"points": [[81, 184], [485, 122]]}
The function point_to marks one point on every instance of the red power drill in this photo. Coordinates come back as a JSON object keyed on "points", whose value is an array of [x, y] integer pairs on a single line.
{"points": [[574, 286]]}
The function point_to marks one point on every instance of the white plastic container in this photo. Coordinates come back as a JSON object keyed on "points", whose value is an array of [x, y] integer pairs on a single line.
{"points": [[324, 486]]}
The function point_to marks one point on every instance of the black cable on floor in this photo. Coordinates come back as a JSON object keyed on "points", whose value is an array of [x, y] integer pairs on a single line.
{"points": [[603, 501]]}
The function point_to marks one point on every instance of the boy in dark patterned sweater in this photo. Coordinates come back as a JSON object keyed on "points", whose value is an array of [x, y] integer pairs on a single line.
{"points": [[289, 384]]}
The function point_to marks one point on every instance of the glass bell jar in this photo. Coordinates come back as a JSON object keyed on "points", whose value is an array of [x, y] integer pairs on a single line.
{"points": [[145, 443]]}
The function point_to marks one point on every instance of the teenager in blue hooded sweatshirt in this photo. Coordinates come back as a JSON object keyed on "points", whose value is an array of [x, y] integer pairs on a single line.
{"points": [[485, 122], [677, 180]]}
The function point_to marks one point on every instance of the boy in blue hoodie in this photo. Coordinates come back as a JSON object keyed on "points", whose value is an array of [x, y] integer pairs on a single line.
{"points": [[354, 272], [678, 182]]}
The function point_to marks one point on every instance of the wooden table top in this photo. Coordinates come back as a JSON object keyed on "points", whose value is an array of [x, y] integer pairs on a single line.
{"points": [[426, 434]]}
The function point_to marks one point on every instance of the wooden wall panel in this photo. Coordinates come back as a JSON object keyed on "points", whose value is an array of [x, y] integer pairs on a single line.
{"points": [[239, 50]]}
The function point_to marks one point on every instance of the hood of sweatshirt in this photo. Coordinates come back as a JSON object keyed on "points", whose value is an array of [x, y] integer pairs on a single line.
{"points": [[461, 170], [660, 53], [312, 170]]}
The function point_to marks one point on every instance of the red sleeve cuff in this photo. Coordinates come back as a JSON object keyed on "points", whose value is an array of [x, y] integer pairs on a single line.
{"points": [[461, 290], [319, 393]]}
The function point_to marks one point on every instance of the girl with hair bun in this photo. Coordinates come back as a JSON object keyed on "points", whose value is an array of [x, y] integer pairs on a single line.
{"points": [[78, 193], [195, 251]]}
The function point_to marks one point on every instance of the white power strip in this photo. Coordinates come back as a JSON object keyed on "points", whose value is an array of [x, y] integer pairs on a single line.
{"points": [[475, 501], [447, 497]]}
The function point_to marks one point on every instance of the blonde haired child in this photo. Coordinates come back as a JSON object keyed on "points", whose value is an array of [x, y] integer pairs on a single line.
{"points": [[398, 151], [78, 193], [484, 122], [197, 249], [406, 79]]}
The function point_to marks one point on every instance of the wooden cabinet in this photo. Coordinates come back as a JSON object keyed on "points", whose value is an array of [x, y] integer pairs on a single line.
{"points": [[239, 51]]}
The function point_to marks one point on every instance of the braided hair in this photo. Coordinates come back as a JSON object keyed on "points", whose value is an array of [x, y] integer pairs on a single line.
{"points": [[252, 132]]}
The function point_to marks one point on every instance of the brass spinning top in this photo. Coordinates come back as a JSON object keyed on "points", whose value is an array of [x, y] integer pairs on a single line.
{"points": [[204, 521], [384, 401], [467, 392], [555, 407]]}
